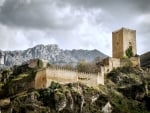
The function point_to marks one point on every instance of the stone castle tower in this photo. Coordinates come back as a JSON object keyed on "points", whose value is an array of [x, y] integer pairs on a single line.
{"points": [[122, 39]]}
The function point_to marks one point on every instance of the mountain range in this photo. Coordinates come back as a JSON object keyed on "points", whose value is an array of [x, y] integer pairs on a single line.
{"points": [[51, 53]]}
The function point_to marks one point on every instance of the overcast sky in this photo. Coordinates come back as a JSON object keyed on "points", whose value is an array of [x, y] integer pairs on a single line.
{"points": [[72, 24]]}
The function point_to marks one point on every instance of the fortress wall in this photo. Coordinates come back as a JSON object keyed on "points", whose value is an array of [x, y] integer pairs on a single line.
{"points": [[100, 77], [83, 78], [110, 64], [115, 62], [60, 75], [107, 68], [40, 79], [88, 79], [44, 77], [125, 62]]}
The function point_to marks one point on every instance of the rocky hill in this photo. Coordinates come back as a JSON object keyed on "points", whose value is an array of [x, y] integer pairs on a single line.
{"points": [[145, 59], [52, 53], [126, 90]]}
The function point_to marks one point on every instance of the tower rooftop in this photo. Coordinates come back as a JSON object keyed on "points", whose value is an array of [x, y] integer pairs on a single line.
{"points": [[123, 28]]}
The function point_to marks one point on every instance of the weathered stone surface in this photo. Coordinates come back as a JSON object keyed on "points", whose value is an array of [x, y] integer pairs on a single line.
{"points": [[122, 40]]}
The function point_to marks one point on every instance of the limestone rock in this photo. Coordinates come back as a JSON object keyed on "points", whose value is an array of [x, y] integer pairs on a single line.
{"points": [[107, 108], [51, 53]]}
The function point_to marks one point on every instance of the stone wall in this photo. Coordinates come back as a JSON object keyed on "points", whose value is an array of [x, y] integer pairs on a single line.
{"points": [[91, 79], [40, 79], [44, 77], [60, 75], [110, 63], [133, 62]]}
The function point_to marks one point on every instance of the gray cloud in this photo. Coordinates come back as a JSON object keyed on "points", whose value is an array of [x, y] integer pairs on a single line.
{"points": [[37, 14], [72, 24]]}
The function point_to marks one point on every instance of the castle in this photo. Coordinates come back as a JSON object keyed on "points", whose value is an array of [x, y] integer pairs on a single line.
{"points": [[124, 54], [123, 50]]}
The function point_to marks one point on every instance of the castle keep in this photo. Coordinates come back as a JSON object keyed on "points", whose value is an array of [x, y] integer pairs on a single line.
{"points": [[122, 39], [123, 43]]}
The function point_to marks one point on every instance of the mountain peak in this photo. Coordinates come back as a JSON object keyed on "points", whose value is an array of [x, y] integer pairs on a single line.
{"points": [[50, 52]]}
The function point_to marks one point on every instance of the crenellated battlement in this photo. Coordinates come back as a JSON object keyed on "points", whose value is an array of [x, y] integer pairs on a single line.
{"points": [[44, 77]]}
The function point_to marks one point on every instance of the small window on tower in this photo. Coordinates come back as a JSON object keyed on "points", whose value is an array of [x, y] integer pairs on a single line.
{"points": [[117, 43], [130, 43]]}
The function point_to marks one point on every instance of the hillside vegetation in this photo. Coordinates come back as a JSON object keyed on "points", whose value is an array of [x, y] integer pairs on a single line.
{"points": [[126, 90]]}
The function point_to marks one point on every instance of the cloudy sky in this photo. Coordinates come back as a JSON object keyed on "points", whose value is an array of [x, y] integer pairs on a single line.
{"points": [[72, 24]]}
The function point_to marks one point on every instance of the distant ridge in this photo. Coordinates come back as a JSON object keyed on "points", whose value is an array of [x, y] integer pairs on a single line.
{"points": [[50, 52]]}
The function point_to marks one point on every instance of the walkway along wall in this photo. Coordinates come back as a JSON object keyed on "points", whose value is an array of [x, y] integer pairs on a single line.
{"points": [[44, 77]]}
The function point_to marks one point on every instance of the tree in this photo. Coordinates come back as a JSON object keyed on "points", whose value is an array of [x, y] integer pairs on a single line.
{"points": [[129, 52], [84, 66]]}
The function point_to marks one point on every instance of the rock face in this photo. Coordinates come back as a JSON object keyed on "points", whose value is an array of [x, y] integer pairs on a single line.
{"points": [[52, 53], [145, 59], [56, 99]]}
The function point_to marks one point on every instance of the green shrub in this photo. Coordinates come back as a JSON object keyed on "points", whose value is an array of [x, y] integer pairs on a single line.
{"points": [[47, 95], [129, 52], [86, 67]]}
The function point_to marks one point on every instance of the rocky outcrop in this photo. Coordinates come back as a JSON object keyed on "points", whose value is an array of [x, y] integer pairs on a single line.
{"points": [[57, 99], [126, 90], [52, 53], [145, 59]]}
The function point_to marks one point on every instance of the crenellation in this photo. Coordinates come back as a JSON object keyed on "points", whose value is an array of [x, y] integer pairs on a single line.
{"points": [[46, 76]]}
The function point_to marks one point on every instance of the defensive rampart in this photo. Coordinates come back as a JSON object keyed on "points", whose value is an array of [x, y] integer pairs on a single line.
{"points": [[44, 77]]}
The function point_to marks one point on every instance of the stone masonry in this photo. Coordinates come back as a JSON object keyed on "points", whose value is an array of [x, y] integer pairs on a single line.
{"points": [[122, 39], [45, 76]]}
